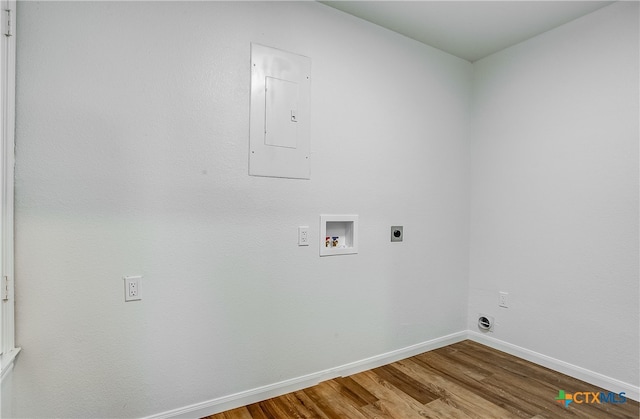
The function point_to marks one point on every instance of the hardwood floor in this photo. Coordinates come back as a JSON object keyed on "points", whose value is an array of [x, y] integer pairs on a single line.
{"points": [[464, 380]]}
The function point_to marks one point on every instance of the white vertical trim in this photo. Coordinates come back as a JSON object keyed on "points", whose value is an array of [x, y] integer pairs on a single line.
{"points": [[7, 163]]}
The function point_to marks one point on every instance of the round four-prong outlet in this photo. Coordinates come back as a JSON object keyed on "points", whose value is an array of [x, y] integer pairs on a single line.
{"points": [[396, 233]]}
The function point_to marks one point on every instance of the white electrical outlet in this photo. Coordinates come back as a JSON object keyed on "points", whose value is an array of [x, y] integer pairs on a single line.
{"points": [[132, 288], [303, 236], [503, 299]]}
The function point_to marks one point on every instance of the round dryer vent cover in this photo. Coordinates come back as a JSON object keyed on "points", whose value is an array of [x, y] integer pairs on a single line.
{"points": [[485, 322]]}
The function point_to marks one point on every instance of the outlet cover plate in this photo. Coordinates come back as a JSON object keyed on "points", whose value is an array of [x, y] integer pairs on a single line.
{"points": [[132, 288], [397, 233], [303, 236], [503, 299]]}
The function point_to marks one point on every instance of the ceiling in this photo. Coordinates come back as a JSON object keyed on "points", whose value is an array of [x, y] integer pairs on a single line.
{"points": [[469, 29]]}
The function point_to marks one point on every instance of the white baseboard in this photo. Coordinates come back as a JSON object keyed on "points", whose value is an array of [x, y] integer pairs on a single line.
{"points": [[597, 379], [244, 398]]}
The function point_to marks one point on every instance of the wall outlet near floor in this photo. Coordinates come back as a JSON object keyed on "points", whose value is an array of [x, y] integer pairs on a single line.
{"points": [[132, 288], [503, 299]]}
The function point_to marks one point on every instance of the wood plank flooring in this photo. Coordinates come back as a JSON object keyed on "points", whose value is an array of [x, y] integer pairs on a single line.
{"points": [[464, 380]]}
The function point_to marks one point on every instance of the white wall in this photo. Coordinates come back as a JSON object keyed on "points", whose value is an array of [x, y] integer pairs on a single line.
{"points": [[132, 143], [554, 200]]}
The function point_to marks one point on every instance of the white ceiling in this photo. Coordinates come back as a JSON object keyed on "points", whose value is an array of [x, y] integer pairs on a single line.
{"points": [[469, 29]]}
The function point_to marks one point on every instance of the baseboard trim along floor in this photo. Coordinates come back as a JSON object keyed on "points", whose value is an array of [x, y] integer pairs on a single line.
{"points": [[244, 398], [591, 377]]}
